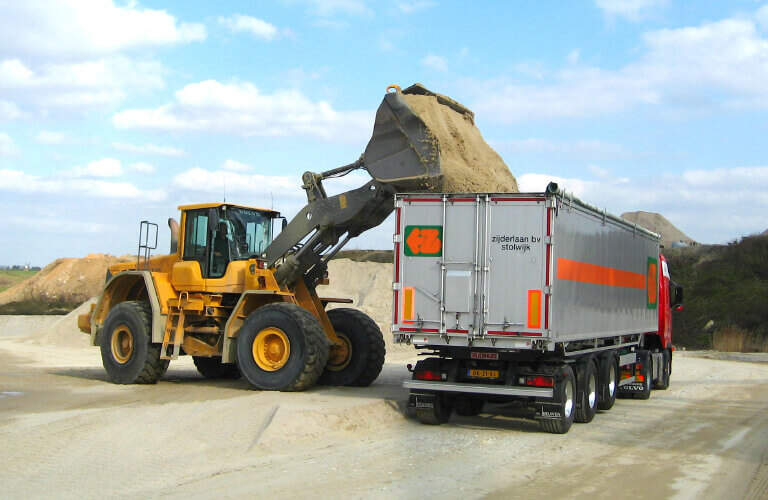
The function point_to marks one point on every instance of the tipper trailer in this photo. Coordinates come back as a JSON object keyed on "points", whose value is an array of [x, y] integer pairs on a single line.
{"points": [[532, 297]]}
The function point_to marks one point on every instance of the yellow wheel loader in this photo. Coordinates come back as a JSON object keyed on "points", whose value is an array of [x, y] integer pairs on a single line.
{"points": [[241, 302]]}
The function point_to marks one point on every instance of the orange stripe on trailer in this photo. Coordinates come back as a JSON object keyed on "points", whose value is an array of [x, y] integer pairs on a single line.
{"points": [[573, 270], [534, 309], [408, 298]]}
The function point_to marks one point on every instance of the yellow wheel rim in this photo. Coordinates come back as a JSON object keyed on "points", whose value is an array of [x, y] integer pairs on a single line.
{"points": [[122, 344], [341, 354], [271, 349]]}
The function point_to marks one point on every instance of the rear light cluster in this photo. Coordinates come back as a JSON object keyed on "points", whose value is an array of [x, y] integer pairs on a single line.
{"points": [[262, 264], [639, 377], [428, 375], [540, 381]]}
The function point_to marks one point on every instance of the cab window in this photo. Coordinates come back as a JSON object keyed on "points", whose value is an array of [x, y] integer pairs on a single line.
{"points": [[196, 236]]}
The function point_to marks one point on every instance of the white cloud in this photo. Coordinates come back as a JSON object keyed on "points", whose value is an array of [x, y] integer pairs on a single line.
{"points": [[51, 138], [106, 167], [330, 8], [236, 166], [241, 109], [77, 86], [682, 198], [437, 63], [149, 149], [76, 55], [631, 10], [18, 182], [573, 56], [724, 63], [7, 146], [142, 167], [256, 27], [414, 6], [584, 149], [257, 189], [9, 111], [69, 29]]}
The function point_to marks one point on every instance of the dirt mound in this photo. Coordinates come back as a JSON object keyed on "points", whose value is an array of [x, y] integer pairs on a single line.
{"points": [[469, 164], [658, 224], [63, 332], [64, 283], [368, 284]]}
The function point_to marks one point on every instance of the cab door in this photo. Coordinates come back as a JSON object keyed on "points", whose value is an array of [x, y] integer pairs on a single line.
{"points": [[196, 239]]}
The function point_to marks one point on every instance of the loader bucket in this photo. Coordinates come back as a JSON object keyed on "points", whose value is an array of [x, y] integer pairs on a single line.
{"points": [[402, 152]]}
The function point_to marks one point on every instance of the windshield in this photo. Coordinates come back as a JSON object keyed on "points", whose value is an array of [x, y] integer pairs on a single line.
{"points": [[250, 231]]}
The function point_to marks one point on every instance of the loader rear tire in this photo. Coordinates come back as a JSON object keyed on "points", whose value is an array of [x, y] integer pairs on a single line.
{"points": [[364, 349], [127, 351], [281, 347], [212, 367]]}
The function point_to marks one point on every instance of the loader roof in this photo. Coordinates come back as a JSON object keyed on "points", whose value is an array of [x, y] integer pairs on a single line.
{"points": [[223, 204]]}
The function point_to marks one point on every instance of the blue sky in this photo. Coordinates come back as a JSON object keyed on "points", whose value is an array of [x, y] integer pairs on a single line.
{"points": [[115, 112]]}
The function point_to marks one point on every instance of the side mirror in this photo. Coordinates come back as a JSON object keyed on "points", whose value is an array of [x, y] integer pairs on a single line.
{"points": [[213, 219], [677, 299], [284, 224]]}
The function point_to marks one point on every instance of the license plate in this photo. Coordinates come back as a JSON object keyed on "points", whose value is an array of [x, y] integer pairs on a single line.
{"points": [[483, 373]]}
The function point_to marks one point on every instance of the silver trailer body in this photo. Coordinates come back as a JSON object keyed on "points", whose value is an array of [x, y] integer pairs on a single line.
{"points": [[520, 271]]}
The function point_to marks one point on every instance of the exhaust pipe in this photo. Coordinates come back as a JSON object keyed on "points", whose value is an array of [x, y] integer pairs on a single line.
{"points": [[174, 226], [553, 188]]}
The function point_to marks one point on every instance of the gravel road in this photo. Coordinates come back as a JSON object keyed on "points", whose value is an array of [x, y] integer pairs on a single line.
{"points": [[66, 431]]}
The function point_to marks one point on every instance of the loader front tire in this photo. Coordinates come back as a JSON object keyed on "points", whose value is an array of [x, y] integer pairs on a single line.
{"points": [[281, 347], [127, 351], [359, 361]]}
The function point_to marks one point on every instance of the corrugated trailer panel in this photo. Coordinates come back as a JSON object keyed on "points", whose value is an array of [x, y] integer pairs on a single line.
{"points": [[517, 270], [601, 277]]}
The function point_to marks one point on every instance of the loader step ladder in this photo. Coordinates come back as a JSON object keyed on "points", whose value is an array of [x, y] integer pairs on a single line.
{"points": [[174, 330], [147, 243]]}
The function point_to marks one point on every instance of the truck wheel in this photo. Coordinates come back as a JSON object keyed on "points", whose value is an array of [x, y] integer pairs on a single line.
{"points": [[281, 347], [666, 369], [440, 413], [358, 362], [588, 386], [212, 367], [468, 406], [646, 359], [127, 351], [609, 382], [565, 393]]}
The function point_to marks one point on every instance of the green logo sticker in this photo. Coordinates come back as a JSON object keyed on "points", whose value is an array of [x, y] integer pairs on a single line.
{"points": [[652, 281], [423, 241]]}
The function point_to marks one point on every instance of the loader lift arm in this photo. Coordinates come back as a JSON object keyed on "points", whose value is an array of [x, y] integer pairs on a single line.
{"points": [[400, 155]]}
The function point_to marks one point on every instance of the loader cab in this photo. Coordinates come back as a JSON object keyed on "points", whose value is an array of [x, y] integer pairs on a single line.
{"points": [[216, 234]]}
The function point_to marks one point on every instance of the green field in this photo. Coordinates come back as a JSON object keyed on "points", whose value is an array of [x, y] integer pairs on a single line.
{"points": [[10, 278], [726, 285]]}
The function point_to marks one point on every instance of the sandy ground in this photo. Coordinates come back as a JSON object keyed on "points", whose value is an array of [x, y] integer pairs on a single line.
{"points": [[66, 431]]}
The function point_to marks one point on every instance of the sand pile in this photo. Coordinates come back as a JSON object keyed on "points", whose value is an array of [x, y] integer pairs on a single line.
{"points": [[368, 284], [64, 281], [658, 224], [62, 332], [468, 163]]}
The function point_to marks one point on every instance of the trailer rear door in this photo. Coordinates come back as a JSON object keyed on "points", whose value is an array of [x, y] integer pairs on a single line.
{"points": [[515, 258]]}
